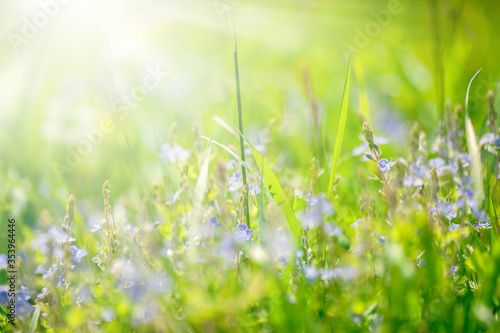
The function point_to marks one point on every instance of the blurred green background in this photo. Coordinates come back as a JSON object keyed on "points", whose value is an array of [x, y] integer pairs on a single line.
{"points": [[65, 72]]}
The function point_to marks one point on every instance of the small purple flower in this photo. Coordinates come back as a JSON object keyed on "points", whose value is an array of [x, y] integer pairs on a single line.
{"points": [[356, 224], [48, 273], [243, 233], [326, 274], [235, 181], [173, 154], [61, 281], [385, 165], [464, 158], [332, 230], [437, 163], [454, 226], [488, 138], [77, 254], [97, 261], [496, 143], [45, 292], [3, 261], [98, 225], [311, 272], [345, 272], [482, 225], [359, 150], [253, 190], [214, 222], [4, 290], [174, 198], [453, 270], [412, 181]]}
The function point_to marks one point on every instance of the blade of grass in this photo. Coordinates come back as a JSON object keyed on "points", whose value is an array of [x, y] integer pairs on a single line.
{"points": [[467, 94], [363, 96], [34, 319], [238, 98], [473, 147], [278, 196], [200, 187], [340, 128], [271, 180]]}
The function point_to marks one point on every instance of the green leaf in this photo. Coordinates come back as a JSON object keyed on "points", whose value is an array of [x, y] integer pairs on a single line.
{"points": [[473, 147], [339, 136], [279, 195], [467, 94], [272, 182], [34, 319]]}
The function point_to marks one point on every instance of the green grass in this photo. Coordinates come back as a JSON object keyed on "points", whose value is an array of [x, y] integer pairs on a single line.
{"points": [[220, 209]]}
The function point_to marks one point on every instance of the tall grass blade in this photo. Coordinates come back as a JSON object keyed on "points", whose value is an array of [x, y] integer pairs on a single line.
{"points": [[271, 180], [340, 128], [475, 157], [473, 147], [467, 94], [363, 96], [238, 98], [34, 319], [278, 195], [200, 187]]}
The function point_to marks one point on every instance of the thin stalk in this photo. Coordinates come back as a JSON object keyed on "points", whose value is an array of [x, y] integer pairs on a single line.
{"points": [[238, 97], [106, 190]]}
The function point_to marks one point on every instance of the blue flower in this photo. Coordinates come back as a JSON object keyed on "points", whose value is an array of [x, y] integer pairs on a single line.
{"points": [[97, 261], [453, 227], [437, 162], [464, 158], [453, 270], [488, 138], [3, 261], [4, 299], [356, 224], [235, 181], [45, 292], [175, 197], [214, 222], [77, 254], [326, 274], [173, 154], [345, 272], [482, 225], [98, 225], [385, 165], [332, 230], [359, 150], [243, 233], [311, 272], [48, 273], [253, 190], [61, 281], [412, 181], [496, 143], [108, 314], [420, 169]]}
